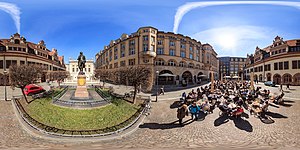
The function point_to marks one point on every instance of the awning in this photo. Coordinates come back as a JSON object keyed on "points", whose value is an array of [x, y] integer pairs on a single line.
{"points": [[202, 75], [235, 77], [167, 75]]}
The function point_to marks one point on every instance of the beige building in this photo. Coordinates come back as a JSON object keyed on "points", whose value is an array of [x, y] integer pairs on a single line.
{"points": [[184, 58], [16, 50], [73, 69], [279, 62], [231, 66]]}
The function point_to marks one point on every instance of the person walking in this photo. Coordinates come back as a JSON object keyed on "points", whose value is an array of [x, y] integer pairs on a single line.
{"points": [[280, 87], [162, 91], [181, 113], [288, 86]]}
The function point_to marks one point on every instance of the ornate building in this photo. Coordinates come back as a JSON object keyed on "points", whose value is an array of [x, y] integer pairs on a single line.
{"points": [[17, 50], [279, 62], [176, 57], [73, 69]]}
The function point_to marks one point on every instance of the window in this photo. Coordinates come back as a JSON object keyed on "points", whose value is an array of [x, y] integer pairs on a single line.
{"points": [[146, 61], [286, 65], [294, 64], [171, 63], [181, 64], [122, 53], [89, 69], [145, 47], [159, 42], [73, 69], [191, 48], [275, 66], [191, 65], [145, 38], [131, 42], [197, 58], [191, 56], [182, 54], [131, 51], [9, 48], [160, 51], [131, 62], [160, 62], [280, 66], [172, 52], [182, 46], [22, 62], [2, 48], [172, 43], [122, 63], [1, 64], [115, 65]]}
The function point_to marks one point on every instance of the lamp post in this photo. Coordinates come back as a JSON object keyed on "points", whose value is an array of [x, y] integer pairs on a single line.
{"points": [[5, 93], [157, 72]]}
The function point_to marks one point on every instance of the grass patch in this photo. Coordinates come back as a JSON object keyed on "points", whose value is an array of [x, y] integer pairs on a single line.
{"points": [[113, 114]]}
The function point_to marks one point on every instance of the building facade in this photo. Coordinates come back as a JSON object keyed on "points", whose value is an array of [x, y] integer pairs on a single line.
{"points": [[278, 62], [184, 58], [73, 69], [17, 50], [231, 66]]}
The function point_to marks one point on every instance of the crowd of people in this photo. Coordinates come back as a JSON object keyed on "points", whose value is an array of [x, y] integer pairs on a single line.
{"points": [[231, 97]]}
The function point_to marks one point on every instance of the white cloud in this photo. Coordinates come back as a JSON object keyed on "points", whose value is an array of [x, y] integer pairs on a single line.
{"points": [[183, 9], [235, 40], [13, 11]]}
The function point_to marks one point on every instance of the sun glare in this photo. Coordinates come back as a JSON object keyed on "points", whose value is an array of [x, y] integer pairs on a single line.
{"points": [[226, 41]]}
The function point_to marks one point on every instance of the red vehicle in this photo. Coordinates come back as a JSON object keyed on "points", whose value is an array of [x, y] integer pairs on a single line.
{"points": [[31, 89]]}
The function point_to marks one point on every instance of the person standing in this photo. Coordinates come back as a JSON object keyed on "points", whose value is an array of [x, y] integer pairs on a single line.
{"points": [[288, 86], [281, 87], [181, 113]]}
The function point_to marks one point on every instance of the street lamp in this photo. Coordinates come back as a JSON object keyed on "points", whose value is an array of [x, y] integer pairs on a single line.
{"points": [[157, 72], [5, 93]]}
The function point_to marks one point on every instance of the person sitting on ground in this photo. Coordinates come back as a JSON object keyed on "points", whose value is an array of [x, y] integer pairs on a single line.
{"points": [[194, 110]]}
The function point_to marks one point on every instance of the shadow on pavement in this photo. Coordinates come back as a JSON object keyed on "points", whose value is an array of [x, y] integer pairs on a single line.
{"points": [[275, 115], [221, 120], [266, 120], [201, 116], [164, 126], [242, 124], [175, 104]]}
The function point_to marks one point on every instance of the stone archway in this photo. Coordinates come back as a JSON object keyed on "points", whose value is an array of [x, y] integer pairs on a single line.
{"points": [[296, 79], [187, 76], [166, 80], [277, 79], [287, 78]]}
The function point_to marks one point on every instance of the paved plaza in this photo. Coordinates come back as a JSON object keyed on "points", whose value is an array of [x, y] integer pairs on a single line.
{"points": [[160, 130]]}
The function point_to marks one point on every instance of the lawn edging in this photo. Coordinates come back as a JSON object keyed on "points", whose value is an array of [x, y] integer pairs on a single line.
{"points": [[33, 124]]}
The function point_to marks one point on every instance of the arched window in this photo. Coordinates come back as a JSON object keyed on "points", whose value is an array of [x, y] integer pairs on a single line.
{"points": [[160, 62], [17, 41], [181, 64], [171, 63], [191, 65]]}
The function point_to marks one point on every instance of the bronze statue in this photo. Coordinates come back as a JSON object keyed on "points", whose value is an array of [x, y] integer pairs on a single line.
{"points": [[81, 62]]}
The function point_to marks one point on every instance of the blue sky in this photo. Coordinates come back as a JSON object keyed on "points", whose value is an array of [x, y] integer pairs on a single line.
{"points": [[72, 26]]}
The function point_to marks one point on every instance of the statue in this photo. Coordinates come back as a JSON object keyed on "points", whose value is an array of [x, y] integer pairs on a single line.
{"points": [[81, 62]]}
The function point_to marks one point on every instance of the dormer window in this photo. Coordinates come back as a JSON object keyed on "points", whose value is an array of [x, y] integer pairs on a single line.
{"points": [[17, 41]]}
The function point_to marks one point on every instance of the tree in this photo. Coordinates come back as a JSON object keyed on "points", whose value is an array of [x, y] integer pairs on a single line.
{"points": [[103, 74], [137, 76], [22, 75], [59, 76]]}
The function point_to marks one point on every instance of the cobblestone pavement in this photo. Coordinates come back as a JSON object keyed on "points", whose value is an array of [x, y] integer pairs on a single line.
{"points": [[159, 131]]}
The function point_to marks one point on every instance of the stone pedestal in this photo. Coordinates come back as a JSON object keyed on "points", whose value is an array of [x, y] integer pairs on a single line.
{"points": [[81, 90]]}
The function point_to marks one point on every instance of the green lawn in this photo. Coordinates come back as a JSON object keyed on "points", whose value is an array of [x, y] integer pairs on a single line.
{"points": [[115, 113]]}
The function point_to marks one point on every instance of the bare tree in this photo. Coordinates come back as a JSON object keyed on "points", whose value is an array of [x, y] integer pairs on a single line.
{"points": [[103, 74], [137, 76], [22, 75], [59, 76]]}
